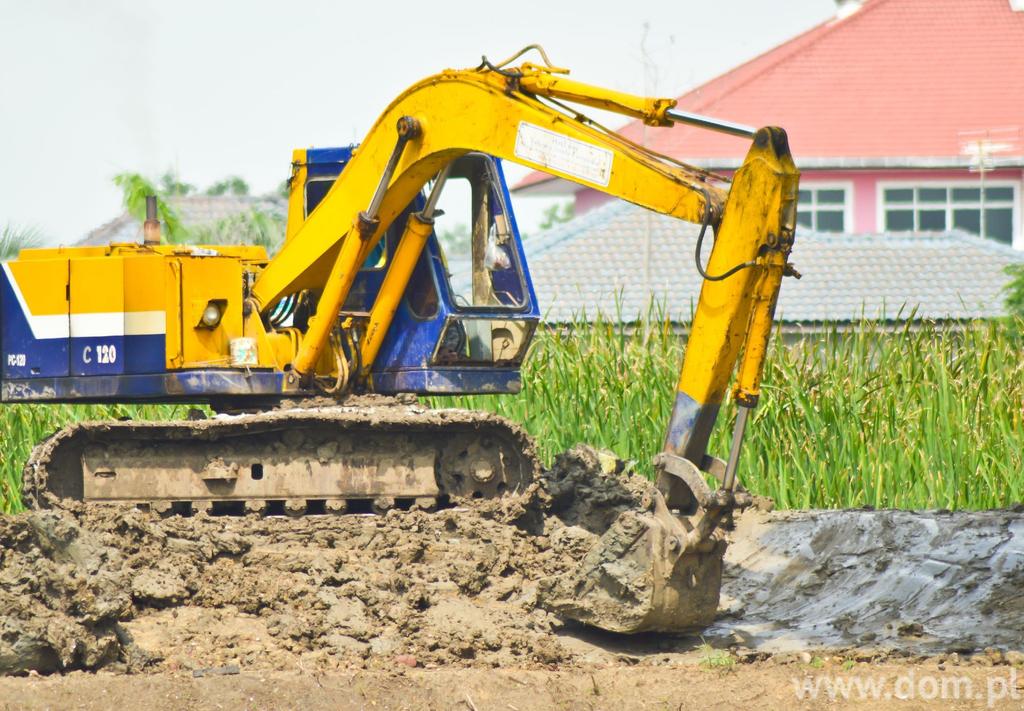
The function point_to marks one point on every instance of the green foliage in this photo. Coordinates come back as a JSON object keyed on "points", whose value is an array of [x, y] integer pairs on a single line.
{"points": [[556, 214], [232, 185], [13, 239], [1015, 289], [171, 185], [715, 659], [923, 416], [134, 189], [254, 227], [25, 425], [920, 416]]}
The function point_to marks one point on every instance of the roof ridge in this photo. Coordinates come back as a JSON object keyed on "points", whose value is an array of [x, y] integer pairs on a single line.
{"points": [[897, 239], [826, 30], [123, 218]]}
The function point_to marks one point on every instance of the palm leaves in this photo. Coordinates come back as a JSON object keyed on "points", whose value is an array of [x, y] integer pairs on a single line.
{"points": [[254, 226], [13, 239], [134, 190]]}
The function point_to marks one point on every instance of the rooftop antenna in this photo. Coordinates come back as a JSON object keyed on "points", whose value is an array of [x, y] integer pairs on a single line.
{"points": [[982, 148]]}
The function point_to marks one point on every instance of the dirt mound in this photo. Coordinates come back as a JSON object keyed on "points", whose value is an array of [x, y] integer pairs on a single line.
{"points": [[62, 595], [91, 585], [97, 586]]}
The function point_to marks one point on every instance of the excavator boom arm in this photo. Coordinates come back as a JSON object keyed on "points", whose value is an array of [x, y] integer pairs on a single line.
{"points": [[464, 111]]}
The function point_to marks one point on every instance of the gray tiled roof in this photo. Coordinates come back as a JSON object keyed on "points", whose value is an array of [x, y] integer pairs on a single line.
{"points": [[194, 210], [616, 258]]}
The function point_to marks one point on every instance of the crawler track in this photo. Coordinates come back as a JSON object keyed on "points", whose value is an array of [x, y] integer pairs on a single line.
{"points": [[305, 460]]}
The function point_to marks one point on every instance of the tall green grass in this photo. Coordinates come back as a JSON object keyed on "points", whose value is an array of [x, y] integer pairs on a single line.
{"points": [[923, 416]]}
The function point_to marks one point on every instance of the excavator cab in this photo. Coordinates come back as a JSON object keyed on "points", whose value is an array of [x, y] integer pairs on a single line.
{"points": [[469, 313]]}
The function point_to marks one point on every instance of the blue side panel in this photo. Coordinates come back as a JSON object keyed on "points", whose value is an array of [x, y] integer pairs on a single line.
{"points": [[411, 340], [145, 354], [322, 162], [97, 355], [114, 355], [24, 355]]}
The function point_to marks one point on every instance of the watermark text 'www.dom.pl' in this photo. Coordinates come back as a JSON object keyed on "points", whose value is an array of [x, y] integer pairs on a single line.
{"points": [[909, 686]]}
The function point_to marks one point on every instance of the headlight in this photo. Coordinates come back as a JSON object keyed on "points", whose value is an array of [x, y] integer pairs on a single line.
{"points": [[212, 315]]}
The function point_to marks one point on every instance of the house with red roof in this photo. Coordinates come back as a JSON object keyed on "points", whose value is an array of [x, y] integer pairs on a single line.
{"points": [[904, 116]]}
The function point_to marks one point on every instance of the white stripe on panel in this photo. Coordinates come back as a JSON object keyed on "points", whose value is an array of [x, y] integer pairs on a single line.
{"points": [[97, 324], [117, 323], [51, 326], [144, 323]]}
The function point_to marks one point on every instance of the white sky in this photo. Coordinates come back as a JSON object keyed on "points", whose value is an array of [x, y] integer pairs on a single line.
{"points": [[212, 88]]}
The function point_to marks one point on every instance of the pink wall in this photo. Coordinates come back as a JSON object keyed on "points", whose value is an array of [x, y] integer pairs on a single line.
{"points": [[864, 213], [865, 186]]}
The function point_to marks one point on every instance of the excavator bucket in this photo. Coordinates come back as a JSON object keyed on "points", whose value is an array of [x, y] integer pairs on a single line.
{"points": [[643, 575]]}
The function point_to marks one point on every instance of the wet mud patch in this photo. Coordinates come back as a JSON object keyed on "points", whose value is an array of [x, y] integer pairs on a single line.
{"points": [[891, 581]]}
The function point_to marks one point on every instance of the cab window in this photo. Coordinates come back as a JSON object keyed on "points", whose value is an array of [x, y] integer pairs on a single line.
{"points": [[475, 233]]}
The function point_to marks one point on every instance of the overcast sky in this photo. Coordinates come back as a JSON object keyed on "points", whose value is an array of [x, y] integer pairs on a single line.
{"points": [[210, 89]]}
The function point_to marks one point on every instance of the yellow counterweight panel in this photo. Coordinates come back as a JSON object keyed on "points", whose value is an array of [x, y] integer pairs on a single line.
{"points": [[35, 253], [144, 283], [97, 312], [201, 281], [97, 286], [42, 281]]}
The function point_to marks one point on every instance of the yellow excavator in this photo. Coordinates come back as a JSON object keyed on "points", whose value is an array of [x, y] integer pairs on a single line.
{"points": [[369, 297]]}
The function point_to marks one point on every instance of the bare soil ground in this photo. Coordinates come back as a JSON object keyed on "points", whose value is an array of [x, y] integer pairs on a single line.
{"points": [[447, 609], [762, 685]]}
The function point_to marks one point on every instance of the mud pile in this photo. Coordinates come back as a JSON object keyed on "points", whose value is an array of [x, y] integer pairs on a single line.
{"points": [[62, 594], [97, 586], [93, 585]]}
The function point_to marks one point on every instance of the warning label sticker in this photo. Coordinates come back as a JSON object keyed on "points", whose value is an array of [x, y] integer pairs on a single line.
{"points": [[564, 154]]}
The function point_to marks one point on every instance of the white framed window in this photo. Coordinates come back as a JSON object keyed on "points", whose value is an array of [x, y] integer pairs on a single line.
{"points": [[935, 206], [825, 207]]}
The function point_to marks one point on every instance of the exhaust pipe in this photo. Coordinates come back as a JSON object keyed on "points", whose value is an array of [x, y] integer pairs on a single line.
{"points": [[151, 228]]}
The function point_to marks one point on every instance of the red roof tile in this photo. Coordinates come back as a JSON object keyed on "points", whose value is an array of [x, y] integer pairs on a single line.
{"points": [[897, 78]]}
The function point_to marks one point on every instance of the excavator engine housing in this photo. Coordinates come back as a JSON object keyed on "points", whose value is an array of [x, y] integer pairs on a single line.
{"points": [[164, 322]]}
